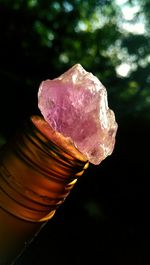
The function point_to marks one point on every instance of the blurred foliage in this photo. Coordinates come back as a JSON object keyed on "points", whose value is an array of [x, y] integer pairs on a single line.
{"points": [[41, 39]]}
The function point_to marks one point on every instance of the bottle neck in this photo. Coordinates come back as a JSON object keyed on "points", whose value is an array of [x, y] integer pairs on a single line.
{"points": [[37, 174]]}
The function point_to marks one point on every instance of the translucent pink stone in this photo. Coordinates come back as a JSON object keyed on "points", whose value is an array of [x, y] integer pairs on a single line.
{"points": [[75, 105]]}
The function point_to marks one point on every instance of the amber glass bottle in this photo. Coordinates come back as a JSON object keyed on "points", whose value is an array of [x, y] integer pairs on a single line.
{"points": [[37, 171]]}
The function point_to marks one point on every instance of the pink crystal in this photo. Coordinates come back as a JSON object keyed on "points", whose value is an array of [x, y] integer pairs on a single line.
{"points": [[75, 105]]}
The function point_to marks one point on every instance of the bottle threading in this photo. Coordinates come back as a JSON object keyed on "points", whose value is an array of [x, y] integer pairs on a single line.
{"points": [[36, 176]]}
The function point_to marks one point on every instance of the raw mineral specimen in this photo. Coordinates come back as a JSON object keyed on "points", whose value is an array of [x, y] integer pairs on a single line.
{"points": [[75, 105]]}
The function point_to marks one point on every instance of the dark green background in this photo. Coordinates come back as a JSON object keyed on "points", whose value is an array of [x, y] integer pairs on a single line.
{"points": [[105, 219]]}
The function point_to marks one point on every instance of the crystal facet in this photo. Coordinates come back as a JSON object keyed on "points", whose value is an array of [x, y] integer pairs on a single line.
{"points": [[75, 105]]}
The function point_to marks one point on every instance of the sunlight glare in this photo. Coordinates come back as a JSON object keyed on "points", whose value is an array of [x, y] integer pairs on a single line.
{"points": [[121, 2], [137, 28], [123, 69], [129, 12]]}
